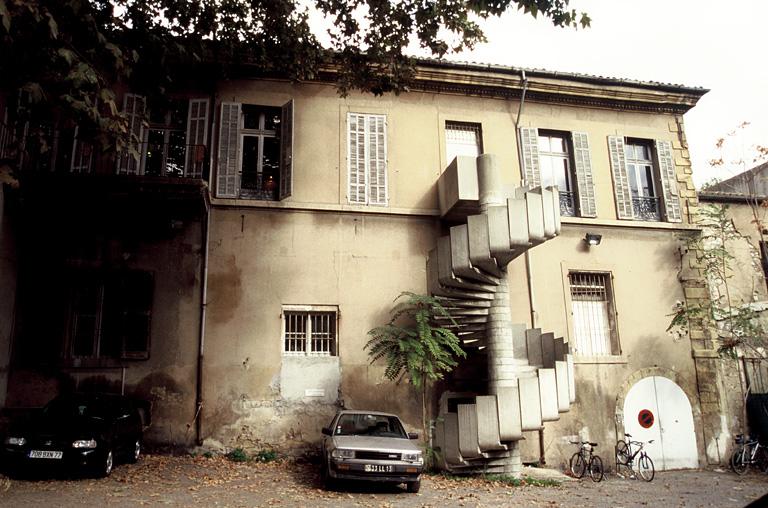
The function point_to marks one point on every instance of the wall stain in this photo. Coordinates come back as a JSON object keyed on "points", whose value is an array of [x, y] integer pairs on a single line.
{"points": [[225, 291]]}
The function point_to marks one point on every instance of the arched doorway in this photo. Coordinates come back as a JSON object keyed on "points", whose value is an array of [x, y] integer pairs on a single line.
{"points": [[657, 408]]}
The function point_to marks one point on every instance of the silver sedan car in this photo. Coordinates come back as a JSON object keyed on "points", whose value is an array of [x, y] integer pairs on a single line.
{"points": [[373, 446]]}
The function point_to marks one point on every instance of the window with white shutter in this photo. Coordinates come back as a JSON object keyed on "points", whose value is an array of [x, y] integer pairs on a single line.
{"points": [[644, 179], [197, 138], [255, 151], [129, 161], [367, 159]]}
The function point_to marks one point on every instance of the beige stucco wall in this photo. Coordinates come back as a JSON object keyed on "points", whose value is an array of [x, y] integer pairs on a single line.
{"points": [[315, 248]]}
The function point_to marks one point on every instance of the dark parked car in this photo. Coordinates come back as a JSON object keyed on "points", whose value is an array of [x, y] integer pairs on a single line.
{"points": [[87, 432], [372, 446]]}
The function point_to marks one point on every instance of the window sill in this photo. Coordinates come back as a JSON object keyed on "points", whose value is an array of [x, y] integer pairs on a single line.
{"points": [[675, 226], [608, 359]]}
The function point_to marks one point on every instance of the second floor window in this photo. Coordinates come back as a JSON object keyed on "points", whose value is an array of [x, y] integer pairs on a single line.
{"points": [[367, 159], [644, 179], [462, 138], [255, 151], [562, 159], [555, 167]]}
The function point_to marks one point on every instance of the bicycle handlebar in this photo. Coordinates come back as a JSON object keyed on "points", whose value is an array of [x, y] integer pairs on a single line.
{"points": [[590, 443]]}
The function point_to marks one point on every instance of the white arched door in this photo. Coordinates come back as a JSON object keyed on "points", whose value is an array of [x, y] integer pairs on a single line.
{"points": [[656, 408]]}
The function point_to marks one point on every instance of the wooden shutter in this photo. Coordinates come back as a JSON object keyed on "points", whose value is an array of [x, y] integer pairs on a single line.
{"points": [[82, 154], [134, 108], [585, 186], [356, 157], [377, 159], [197, 137], [621, 187], [286, 151], [228, 150], [529, 146], [668, 179]]}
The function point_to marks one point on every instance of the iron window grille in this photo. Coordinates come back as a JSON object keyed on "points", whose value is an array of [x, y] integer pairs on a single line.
{"points": [[309, 333], [463, 138], [594, 319]]}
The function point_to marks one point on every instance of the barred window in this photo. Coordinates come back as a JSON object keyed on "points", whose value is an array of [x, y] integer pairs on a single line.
{"points": [[309, 333], [594, 321], [462, 138]]}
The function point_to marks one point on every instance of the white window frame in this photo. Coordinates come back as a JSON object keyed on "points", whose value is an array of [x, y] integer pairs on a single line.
{"points": [[637, 166], [455, 145], [370, 172], [558, 156], [308, 311]]}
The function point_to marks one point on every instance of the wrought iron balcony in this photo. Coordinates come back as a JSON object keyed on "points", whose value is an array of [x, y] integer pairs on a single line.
{"points": [[567, 204], [646, 208]]}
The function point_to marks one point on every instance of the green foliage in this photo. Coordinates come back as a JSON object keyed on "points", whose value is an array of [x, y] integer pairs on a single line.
{"points": [[414, 343], [69, 55], [265, 456], [736, 323], [238, 455]]}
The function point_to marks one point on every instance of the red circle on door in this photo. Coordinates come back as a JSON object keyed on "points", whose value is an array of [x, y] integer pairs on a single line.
{"points": [[645, 418]]}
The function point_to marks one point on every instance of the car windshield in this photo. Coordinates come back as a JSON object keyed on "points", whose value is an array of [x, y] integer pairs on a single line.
{"points": [[367, 424], [67, 408]]}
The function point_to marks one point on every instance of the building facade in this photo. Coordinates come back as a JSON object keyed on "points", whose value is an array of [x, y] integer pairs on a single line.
{"points": [[266, 226]]}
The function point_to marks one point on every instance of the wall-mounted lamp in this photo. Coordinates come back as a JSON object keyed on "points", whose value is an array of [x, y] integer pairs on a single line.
{"points": [[593, 239]]}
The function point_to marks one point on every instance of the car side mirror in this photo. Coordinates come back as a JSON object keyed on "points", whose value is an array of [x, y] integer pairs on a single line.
{"points": [[326, 431], [413, 435]]}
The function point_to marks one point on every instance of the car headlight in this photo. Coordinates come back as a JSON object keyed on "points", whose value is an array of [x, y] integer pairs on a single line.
{"points": [[339, 453], [84, 443], [15, 441], [413, 457]]}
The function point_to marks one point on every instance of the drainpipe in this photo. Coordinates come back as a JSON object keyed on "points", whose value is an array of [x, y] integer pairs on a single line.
{"points": [[527, 255], [206, 223]]}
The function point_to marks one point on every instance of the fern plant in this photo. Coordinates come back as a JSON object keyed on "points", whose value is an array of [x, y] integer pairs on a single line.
{"points": [[414, 344]]}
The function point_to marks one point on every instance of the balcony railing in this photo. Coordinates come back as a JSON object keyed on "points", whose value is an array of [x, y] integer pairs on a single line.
{"points": [[567, 204], [646, 208], [174, 160]]}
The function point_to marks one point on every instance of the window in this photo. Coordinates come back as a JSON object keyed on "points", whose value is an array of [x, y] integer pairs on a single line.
{"points": [[562, 159], [462, 139], [367, 156], [555, 168], [255, 151], [170, 141], [110, 315], [594, 322], [309, 332], [644, 179]]}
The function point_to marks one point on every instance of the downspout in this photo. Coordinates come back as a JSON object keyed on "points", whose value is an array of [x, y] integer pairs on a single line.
{"points": [[206, 223], [527, 255]]}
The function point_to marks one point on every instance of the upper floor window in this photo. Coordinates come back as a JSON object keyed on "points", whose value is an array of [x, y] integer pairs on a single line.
{"points": [[644, 179], [462, 138], [309, 331], [562, 159], [367, 156], [555, 166], [169, 141], [594, 317], [255, 152]]}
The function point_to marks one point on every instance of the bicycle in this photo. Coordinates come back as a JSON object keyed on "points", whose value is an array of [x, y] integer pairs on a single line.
{"points": [[625, 457], [749, 452], [585, 460]]}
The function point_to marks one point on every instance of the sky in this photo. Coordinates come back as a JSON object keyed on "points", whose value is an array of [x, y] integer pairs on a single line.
{"points": [[704, 43]]}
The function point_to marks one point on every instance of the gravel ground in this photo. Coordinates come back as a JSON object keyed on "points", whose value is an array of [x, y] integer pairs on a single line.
{"points": [[216, 481]]}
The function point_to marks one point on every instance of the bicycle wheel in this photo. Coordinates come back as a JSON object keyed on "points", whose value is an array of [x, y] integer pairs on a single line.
{"points": [[622, 453], [738, 464], [761, 459], [596, 468], [645, 468], [578, 465]]}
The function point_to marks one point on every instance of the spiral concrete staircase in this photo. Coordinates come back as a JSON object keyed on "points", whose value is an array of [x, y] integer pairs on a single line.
{"points": [[530, 373]]}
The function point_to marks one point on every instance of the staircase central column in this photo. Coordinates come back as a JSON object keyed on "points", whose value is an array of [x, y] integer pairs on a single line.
{"points": [[502, 368]]}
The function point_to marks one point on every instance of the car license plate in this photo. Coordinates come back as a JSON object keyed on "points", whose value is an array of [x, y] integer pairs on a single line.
{"points": [[45, 454], [375, 468]]}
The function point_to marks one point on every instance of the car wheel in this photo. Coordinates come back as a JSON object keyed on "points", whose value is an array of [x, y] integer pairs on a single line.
{"points": [[135, 452], [328, 482], [413, 487], [107, 464]]}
